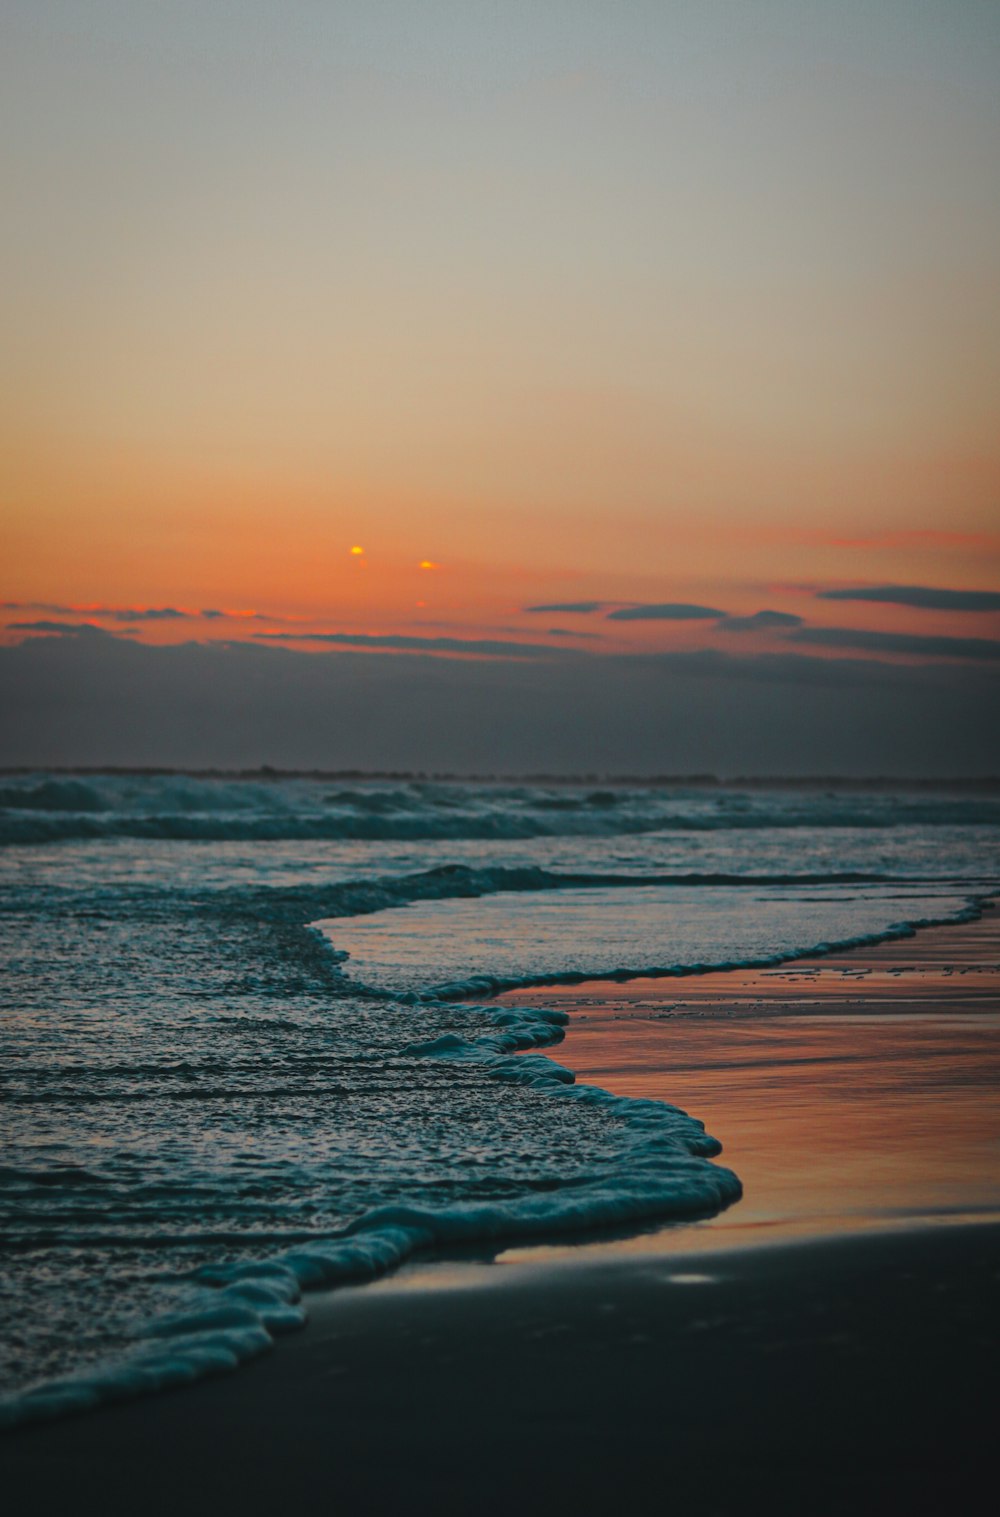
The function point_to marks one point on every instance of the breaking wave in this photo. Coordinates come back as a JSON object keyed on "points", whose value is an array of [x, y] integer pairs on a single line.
{"points": [[42, 809], [655, 1166]]}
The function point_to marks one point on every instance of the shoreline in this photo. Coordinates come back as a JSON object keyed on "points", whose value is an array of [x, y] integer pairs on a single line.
{"points": [[849, 1090], [745, 1367], [352, 947]]}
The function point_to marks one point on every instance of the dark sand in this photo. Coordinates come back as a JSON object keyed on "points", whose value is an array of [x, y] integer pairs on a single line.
{"points": [[847, 1368]]}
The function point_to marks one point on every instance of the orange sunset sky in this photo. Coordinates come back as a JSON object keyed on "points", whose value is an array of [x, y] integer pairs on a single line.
{"points": [[640, 307]]}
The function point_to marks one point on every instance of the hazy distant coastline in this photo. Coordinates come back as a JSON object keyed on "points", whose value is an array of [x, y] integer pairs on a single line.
{"points": [[987, 783]]}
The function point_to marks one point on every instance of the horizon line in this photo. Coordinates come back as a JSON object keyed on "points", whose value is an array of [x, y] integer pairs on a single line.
{"points": [[704, 780]]}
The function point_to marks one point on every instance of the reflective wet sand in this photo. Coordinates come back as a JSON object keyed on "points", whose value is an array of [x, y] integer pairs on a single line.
{"points": [[847, 1091]]}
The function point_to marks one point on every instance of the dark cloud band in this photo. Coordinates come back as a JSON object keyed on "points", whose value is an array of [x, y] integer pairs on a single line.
{"points": [[979, 649], [761, 621], [921, 597], [105, 699], [581, 607], [487, 647], [671, 611]]}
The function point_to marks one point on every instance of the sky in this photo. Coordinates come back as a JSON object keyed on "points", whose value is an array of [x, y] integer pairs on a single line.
{"points": [[436, 343]]}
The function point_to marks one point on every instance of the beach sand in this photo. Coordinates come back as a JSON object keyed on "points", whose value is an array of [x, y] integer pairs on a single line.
{"points": [[848, 1090], [827, 1346]]}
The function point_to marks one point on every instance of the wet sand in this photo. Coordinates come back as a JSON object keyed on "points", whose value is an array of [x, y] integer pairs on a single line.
{"points": [[841, 1364], [849, 1376], [848, 1091]]}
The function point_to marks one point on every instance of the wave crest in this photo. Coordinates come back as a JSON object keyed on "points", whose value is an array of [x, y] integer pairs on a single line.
{"points": [[46, 809]]}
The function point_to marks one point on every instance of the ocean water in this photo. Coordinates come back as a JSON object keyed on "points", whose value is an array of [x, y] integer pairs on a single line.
{"points": [[248, 1048]]}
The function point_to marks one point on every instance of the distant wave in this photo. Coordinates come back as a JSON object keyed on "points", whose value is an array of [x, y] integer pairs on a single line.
{"points": [[44, 809], [52, 795]]}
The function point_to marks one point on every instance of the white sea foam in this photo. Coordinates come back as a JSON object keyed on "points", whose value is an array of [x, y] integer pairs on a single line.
{"points": [[479, 946]]}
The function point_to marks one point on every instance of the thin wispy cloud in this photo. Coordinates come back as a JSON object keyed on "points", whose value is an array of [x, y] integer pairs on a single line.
{"points": [[921, 597], [761, 621], [37, 605], [979, 649], [64, 629], [670, 611], [243, 616], [579, 607], [404, 643], [127, 615], [123, 614], [148, 614]]}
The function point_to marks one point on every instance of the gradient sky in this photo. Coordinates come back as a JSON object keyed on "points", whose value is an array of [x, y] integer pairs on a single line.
{"points": [[651, 304]]}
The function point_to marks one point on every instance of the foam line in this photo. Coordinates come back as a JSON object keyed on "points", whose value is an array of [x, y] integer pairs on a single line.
{"points": [[659, 1169], [491, 985]]}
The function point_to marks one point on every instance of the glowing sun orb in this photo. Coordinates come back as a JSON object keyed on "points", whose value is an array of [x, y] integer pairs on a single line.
{"points": [[425, 563], [357, 552]]}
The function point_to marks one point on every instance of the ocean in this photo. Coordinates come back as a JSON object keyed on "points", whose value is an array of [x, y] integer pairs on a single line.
{"points": [[248, 1046]]}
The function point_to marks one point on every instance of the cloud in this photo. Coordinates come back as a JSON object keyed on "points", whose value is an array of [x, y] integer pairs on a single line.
{"points": [[924, 597], [61, 629], [786, 668], [149, 614], [36, 605], [761, 621], [569, 632], [487, 647], [242, 616], [581, 607], [672, 611], [128, 615], [980, 649], [104, 613]]}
